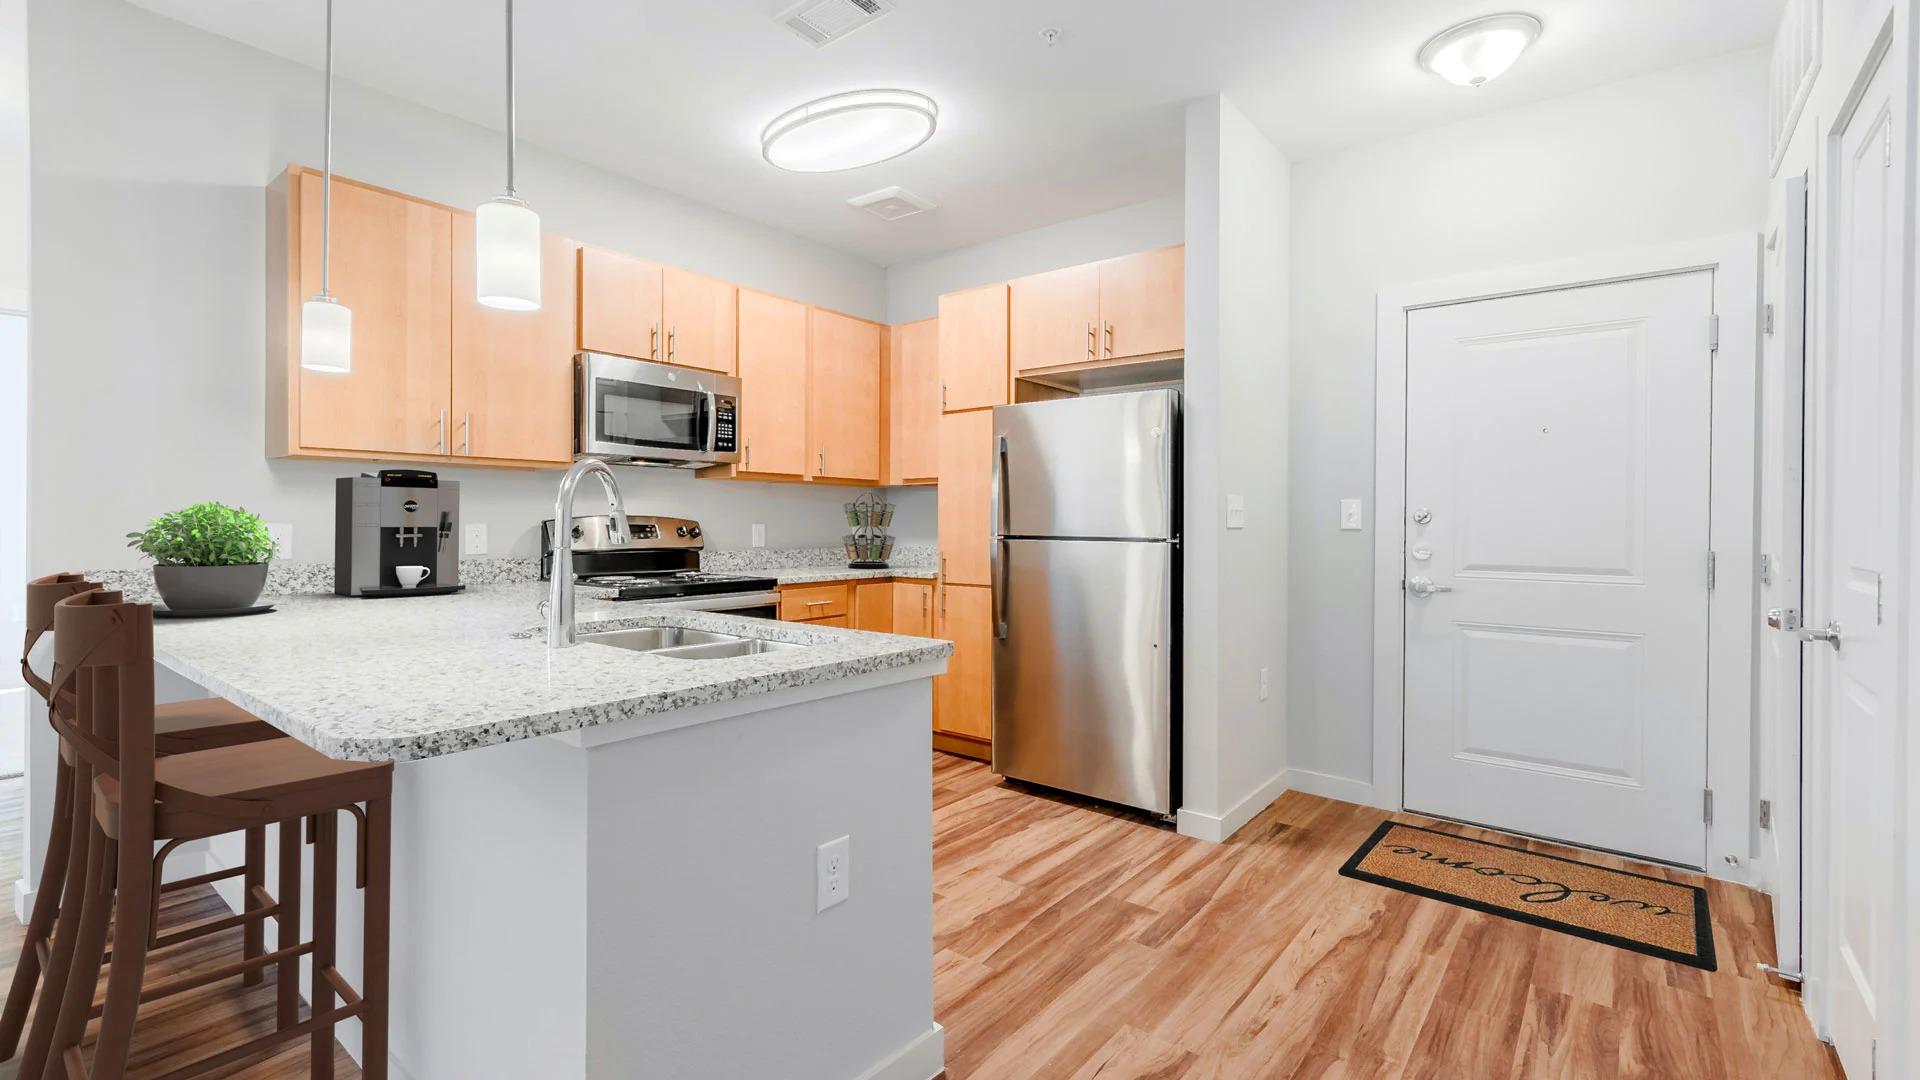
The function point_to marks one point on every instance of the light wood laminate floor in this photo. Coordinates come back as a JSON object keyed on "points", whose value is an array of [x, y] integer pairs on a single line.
{"points": [[1074, 941]]}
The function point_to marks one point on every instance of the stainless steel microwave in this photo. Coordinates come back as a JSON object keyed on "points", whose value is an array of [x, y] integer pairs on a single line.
{"points": [[657, 414]]}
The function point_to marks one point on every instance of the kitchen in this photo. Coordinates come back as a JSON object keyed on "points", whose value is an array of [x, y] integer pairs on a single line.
{"points": [[662, 511]]}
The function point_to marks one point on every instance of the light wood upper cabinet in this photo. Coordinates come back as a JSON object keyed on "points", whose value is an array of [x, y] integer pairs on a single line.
{"points": [[391, 268], [973, 348], [843, 398], [966, 489], [913, 403], [698, 314], [773, 385], [620, 302], [913, 608], [963, 697], [513, 370], [1054, 318], [1143, 303]]}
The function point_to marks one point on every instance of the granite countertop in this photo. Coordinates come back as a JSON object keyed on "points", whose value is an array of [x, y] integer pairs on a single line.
{"points": [[419, 677], [807, 575]]}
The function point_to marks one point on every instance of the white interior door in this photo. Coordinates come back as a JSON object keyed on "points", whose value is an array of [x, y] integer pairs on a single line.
{"points": [[1856, 476], [1558, 464], [1782, 491]]}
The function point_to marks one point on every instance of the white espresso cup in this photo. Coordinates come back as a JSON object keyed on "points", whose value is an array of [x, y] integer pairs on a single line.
{"points": [[411, 576]]}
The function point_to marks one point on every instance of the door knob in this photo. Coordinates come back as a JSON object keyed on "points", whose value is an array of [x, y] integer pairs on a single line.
{"points": [[1829, 633], [1423, 586], [1783, 619]]}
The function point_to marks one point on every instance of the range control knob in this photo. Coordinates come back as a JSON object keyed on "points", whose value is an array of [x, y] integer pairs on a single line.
{"points": [[681, 531]]}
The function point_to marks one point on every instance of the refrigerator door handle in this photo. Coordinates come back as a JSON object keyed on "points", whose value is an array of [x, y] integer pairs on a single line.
{"points": [[1000, 485], [1002, 557]]}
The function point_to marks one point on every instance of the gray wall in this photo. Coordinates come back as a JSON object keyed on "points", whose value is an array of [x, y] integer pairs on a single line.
{"points": [[152, 143], [1670, 156]]}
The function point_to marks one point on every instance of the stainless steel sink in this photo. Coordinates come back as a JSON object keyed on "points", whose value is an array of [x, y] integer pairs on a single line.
{"points": [[680, 643]]}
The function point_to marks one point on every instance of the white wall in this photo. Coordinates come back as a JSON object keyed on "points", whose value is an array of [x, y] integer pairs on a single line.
{"points": [[1669, 156], [1235, 607], [152, 145], [914, 288]]}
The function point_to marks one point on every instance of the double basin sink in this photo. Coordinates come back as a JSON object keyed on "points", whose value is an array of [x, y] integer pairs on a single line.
{"points": [[680, 643]]}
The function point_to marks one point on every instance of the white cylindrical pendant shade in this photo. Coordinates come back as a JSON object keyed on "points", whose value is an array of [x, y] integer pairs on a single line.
{"points": [[326, 336], [506, 260]]}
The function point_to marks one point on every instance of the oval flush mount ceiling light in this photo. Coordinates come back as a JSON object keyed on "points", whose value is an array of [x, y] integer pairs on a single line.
{"points": [[846, 131], [1479, 50]]}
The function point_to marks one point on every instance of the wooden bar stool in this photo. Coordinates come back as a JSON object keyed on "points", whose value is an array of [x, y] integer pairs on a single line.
{"points": [[179, 727], [103, 654]]}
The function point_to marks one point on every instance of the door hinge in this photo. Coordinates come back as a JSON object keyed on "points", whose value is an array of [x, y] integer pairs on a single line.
{"points": [[1766, 317], [1706, 805], [1766, 569], [1713, 569], [1766, 813], [1713, 333]]}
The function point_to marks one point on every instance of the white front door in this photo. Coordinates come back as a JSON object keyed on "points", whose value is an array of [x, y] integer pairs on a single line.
{"points": [[1855, 481], [1558, 459], [1782, 491]]}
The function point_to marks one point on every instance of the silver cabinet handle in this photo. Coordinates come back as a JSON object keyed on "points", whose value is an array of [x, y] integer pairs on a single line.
{"points": [[823, 463], [1783, 619], [670, 333], [653, 342], [1424, 586], [1091, 347], [1829, 633], [441, 448], [466, 435], [747, 465]]}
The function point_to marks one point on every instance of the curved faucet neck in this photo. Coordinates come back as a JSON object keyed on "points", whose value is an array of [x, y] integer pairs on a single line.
{"points": [[560, 622]]}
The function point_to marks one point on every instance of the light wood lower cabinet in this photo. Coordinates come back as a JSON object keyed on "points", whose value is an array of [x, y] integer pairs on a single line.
{"points": [[913, 608], [963, 697], [810, 603], [966, 492], [843, 397], [513, 370], [873, 606]]}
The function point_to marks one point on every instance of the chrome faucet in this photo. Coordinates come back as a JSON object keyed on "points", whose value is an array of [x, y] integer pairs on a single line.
{"points": [[560, 631]]}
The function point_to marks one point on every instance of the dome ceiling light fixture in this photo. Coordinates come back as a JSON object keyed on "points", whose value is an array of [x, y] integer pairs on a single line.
{"points": [[850, 130], [1479, 50]]}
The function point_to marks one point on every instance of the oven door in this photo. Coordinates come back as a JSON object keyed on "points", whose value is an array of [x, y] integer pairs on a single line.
{"points": [[759, 605], [632, 410]]}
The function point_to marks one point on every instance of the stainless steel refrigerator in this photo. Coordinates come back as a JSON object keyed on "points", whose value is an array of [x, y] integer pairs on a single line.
{"points": [[1086, 591]]}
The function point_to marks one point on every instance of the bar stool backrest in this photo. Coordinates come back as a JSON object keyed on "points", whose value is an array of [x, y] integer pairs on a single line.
{"points": [[42, 594], [103, 655]]}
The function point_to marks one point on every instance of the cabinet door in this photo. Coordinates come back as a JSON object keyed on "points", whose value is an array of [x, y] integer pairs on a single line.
{"points": [[391, 268], [513, 370], [973, 348], [773, 385], [873, 606], [964, 695], [966, 491], [912, 609], [843, 398], [620, 304], [1143, 300], [699, 316], [1054, 318], [913, 403]]}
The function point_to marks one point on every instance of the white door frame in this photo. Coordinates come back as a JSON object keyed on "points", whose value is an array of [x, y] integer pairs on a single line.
{"points": [[1733, 610]]}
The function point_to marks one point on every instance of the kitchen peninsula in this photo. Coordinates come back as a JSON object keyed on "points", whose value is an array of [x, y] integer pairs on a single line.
{"points": [[604, 860]]}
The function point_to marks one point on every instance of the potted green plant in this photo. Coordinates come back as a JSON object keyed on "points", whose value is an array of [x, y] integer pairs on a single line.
{"points": [[207, 556]]}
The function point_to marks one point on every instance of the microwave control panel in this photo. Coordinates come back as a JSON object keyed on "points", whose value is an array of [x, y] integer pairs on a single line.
{"points": [[725, 430]]}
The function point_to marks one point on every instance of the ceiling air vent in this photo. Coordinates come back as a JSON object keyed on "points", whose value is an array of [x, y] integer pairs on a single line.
{"points": [[892, 203], [824, 21]]}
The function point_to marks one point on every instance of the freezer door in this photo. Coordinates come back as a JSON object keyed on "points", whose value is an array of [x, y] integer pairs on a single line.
{"points": [[1082, 650], [1098, 466]]}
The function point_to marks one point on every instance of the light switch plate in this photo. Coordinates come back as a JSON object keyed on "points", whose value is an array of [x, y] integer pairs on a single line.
{"points": [[282, 534], [1236, 511], [1349, 514], [473, 540]]}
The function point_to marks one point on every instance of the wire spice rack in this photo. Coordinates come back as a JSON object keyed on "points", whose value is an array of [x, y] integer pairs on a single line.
{"points": [[868, 546]]}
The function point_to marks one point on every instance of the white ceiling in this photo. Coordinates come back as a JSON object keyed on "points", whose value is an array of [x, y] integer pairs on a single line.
{"points": [[675, 92]]}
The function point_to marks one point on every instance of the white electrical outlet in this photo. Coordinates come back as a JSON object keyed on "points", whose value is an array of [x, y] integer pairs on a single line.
{"points": [[1349, 514], [282, 534], [1266, 683], [473, 540], [1236, 511], [832, 873], [759, 535]]}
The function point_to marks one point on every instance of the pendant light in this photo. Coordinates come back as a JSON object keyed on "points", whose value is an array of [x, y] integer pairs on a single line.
{"points": [[506, 231], [326, 324]]}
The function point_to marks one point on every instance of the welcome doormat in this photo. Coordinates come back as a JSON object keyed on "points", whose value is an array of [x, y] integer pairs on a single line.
{"points": [[1646, 914]]}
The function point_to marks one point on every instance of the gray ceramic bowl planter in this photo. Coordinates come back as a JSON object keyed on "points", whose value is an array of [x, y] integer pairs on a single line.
{"points": [[209, 588]]}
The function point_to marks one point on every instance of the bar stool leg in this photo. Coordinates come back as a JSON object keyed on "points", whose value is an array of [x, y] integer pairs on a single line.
{"points": [[254, 937], [378, 899], [326, 900], [46, 904], [287, 923], [89, 953], [132, 929], [81, 840]]}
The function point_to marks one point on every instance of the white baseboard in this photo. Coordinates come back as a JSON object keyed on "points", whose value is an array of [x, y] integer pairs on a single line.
{"points": [[1218, 828], [922, 1059], [1328, 786], [22, 900]]}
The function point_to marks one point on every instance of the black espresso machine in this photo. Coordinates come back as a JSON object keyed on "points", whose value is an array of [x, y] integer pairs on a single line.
{"points": [[396, 533]]}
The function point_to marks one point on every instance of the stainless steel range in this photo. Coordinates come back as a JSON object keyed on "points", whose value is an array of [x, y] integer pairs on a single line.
{"points": [[661, 562]]}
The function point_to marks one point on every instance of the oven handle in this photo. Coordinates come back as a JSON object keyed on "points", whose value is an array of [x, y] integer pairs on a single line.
{"points": [[728, 602], [713, 421]]}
